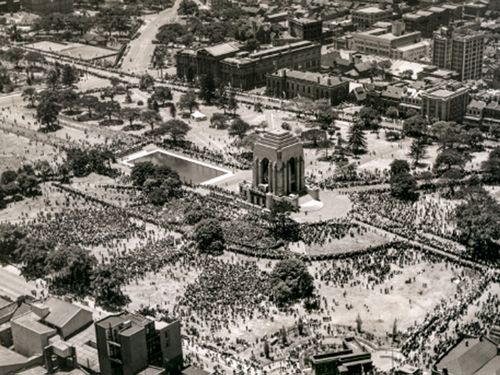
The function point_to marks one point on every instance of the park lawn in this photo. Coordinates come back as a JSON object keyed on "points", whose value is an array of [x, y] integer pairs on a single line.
{"points": [[346, 244], [15, 151], [379, 310]]}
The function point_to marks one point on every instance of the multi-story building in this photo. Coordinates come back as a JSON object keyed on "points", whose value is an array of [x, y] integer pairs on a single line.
{"points": [[384, 42], [305, 28], [246, 70], [9, 6], [413, 52], [44, 7], [346, 362], [192, 63], [445, 102], [459, 50], [475, 9], [129, 343], [366, 17], [427, 21], [287, 83], [250, 71]]}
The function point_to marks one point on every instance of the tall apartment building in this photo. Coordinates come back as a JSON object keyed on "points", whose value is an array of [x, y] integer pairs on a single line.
{"points": [[366, 17], [289, 84], [461, 51], [44, 7], [445, 102], [130, 343]]}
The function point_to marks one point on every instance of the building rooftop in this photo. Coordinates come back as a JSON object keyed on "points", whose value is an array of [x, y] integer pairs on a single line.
{"points": [[322, 79], [370, 10], [277, 139], [10, 358], [60, 312], [86, 348], [222, 49], [469, 357], [30, 320], [409, 47]]}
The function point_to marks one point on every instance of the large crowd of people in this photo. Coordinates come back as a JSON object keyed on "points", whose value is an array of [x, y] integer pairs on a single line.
{"points": [[429, 220]]}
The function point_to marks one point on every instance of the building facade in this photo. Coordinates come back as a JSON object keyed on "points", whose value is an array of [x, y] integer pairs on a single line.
{"points": [[446, 102], [383, 42], [289, 84], [129, 343], [278, 170], [244, 70], [249, 72], [429, 20], [366, 17], [342, 362], [461, 51], [306, 29], [44, 7]]}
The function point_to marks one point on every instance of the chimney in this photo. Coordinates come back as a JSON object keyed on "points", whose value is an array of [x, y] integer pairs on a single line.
{"points": [[318, 78], [329, 81], [398, 28], [357, 59]]}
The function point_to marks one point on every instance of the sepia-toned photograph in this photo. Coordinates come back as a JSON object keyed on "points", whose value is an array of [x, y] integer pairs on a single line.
{"points": [[250, 187]]}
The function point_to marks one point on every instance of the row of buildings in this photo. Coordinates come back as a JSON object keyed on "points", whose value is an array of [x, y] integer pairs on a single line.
{"points": [[41, 7], [53, 336], [242, 69]]}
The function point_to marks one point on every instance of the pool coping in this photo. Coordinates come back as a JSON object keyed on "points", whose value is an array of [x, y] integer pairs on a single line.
{"points": [[142, 153]]}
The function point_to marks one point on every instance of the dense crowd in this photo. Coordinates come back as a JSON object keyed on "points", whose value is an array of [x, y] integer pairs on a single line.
{"points": [[428, 220], [323, 232]]}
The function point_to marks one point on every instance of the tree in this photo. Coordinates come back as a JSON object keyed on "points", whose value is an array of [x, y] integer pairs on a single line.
{"points": [[69, 270], [399, 166], [177, 129], [219, 121], [239, 128], [141, 172], [173, 110], [266, 349], [47, 111], [14, 55], [357, 140], [146, 81], [150, 117], [187, 7], [232, 103], [417, 150], [89, 102], [404, 187], [188, 101], [314, 135], [293, 281], [478, 221], [160, 190], [491, 166], [207, 88], [29, 94], [10, 235], [322, 109], [403, 184], [359, 324], [69, 75], [108, 108], [415, 126], [32, 254], [106, 283], [52, 78], [370, 117], [162, 94], [130, 114], [209, 236], [392, 112], [448, 160], [82, 162]]}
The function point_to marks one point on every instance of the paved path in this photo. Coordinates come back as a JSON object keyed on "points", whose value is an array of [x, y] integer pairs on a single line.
{"points": [[140, 50], [13, 285]]}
